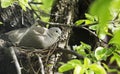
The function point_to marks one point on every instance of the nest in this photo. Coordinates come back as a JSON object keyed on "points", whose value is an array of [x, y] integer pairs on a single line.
{"points": [[27, 60]]}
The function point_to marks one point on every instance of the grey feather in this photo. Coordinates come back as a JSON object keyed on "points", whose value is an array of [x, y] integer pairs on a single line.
{"points": [[36, 37]]}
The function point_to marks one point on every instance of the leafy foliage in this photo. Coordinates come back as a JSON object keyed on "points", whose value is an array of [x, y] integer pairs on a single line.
{"points": [[116, 58], [105, 13], [100, 53], [87, 67], [24, 4], [81, 49], [70, 65], [90, 20], [116, 38], [98, 69], [100, 8]]}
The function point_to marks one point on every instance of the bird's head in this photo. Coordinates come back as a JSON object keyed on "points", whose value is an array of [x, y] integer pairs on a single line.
{"points": [[55, 31]]}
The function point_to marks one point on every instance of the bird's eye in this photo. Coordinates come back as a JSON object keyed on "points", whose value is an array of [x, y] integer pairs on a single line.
{"points": [[56, 31]]}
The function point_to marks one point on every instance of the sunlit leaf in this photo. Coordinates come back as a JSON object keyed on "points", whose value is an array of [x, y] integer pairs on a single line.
{"points": [[117, 58], [108, 69], [97, 69], [24, 4], [46, 5], [78, 70], [116, 39], [87, 22], [115, 4], [70, 65], [44, 9], [100, 53], [89, 72], [93, 27], [65, 67], [100, 8], [79, 22], [6, 3], [81, 49], [75, 62], [110, 51], [89, 17], [86, 62]]}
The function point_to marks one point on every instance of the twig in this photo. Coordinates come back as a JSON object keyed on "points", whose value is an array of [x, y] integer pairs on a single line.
{"points": [[65, 25], [69, 52], [36, 3], [94, 34], [41, 64], [22, 15], [29, 61], [34, 11], [50, 52], [15, 60]]}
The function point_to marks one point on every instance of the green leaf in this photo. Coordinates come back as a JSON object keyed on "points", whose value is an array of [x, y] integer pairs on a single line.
{"points": [[6, 3], [117, 58], [97, 69], [79, 22], [75, 62], [86, 62], [110, 51], [115, 4], [112, 59], [70, 65], [100, 53], [44, 9], [87, 22], [81, 49], [65, 67], [47, 4], [78, 70], [89, 17], [100, 8], [93, 27], [108, 69], [116, 39], [89, 72], [24, 4]]}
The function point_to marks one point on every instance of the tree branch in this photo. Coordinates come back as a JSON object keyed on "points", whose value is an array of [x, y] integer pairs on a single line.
{"points": [[69, 52], [15, 60], [41, 64]]}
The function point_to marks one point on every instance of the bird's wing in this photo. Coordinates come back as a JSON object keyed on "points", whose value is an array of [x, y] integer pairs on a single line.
{"points": [[39, 30], [33, 36], [15, 35]]}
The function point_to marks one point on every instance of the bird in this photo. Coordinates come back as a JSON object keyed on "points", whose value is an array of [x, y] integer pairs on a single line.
{"points": [[35, 37]]}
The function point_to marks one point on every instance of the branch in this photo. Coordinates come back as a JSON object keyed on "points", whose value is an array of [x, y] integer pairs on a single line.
{"points": [[34, 11], [69, 52], [15, 60], [37, 3], [94, 34], [65, 25], [41, 64]]}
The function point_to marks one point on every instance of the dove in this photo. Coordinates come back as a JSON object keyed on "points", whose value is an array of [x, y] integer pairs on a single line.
{"points": [[36, 37]]}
